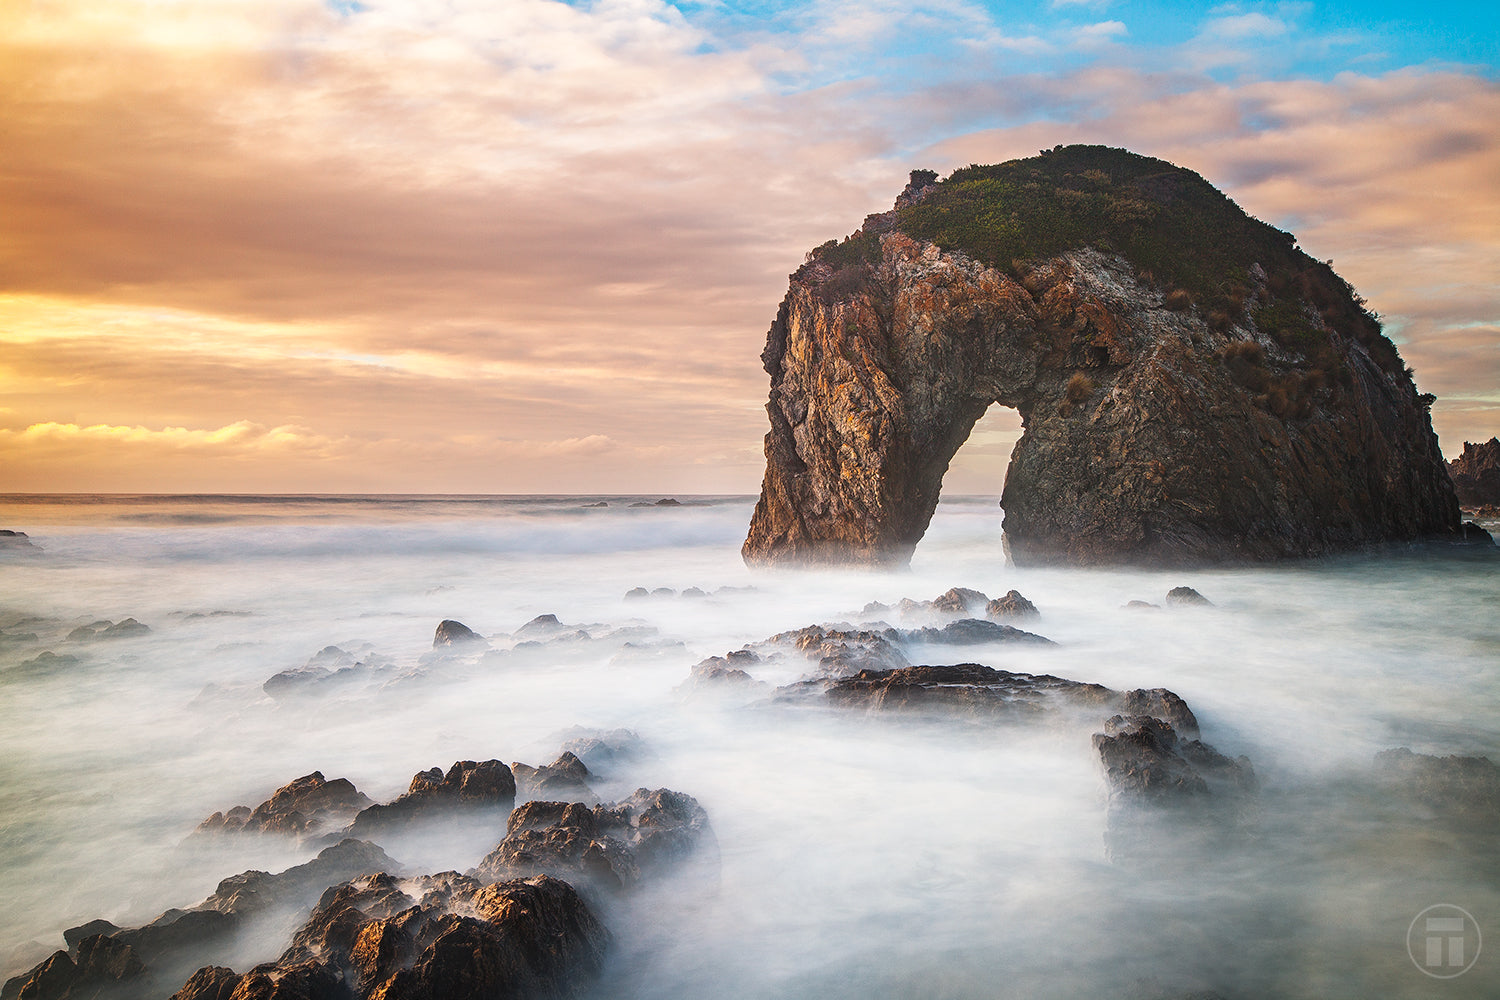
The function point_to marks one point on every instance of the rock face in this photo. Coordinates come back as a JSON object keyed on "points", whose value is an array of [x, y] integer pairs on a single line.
{"points": [[1194, 389], [1476, 474], [307, 805]]}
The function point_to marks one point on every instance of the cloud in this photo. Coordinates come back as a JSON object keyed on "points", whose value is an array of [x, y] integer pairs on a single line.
{"points": [[567, 226]]}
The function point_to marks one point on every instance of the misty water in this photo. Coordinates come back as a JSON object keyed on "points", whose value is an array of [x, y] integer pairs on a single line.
{"points": [[858, 854]]}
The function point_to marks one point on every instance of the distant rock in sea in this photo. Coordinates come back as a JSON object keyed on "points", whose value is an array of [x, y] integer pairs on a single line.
{"points": [[1195, 389], [1476, 474]]}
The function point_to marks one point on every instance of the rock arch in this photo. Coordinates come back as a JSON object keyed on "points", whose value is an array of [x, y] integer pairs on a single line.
{"points": [[1152, 434]]}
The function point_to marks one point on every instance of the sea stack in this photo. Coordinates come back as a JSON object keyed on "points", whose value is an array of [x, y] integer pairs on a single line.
{"points": [[1194, 389]]}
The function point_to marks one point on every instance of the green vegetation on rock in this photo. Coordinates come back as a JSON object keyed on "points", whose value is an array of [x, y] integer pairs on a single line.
{"points": [[1176, 228]]}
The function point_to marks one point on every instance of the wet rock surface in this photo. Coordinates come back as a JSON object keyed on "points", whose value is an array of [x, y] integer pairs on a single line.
{"points": [[454, 633], [1156, 433], [966, 689], [428, 938], [567, 776], [1012, 605], [1466, 789]]}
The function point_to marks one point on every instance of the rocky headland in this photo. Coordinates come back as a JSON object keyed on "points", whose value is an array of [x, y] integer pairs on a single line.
{"points": [[1476, 474], [1194, 389]]}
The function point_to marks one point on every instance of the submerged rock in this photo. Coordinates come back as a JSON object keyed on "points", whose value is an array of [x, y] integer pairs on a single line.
{"points": [[842, 651], [968, 631], [452, 633], [16, 541], [1237, 405], [1463, 788], [1186, 597]]}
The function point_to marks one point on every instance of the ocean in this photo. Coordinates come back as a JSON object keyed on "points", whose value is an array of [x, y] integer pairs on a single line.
{"points": [[859, 854]]}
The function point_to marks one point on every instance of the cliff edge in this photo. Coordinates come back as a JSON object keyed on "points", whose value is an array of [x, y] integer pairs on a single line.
{"points": [[1194, 389]]}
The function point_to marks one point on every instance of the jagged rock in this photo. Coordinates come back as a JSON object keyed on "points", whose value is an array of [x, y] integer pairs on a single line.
{"points": [[1012, 605], [1186, 597], [304, 806], [602, 751], [960, 601], [716, 673], [566, 776], [452, 633], [607, 847], [1259, 415], [1476, 473], [101, 965], [468, 785], [968, 631], [440, 937], [1159, 703], [1464, 788], [1145, 761], [842, 651], [73, 935], [254, 891]]}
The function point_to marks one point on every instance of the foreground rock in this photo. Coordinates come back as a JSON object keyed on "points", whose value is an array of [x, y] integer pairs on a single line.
{"points": [[439, 937], [1145, 761], [1235, 403], [451, 633], [968, 690], [141, 962], [304, 807]]}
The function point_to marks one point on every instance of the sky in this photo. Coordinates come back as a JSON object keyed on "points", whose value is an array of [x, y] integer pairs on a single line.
{"points": [[523, 246]]}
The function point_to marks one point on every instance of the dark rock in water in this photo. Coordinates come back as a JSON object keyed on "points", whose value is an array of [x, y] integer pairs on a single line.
{"points": [[1142, 606], [842, 651], [89, 632], [1159, 703], [967, 689], [101, 967], [124, 628], [663, 592], [1464, 788], [1182, 597], [254, 891], [306, 806], [603, 751], [636, 593], [73, 935], [665, 502], [47, 661], [716, 672], [1259, 415], [607, 847], [452, 633], [960, 601], [1476, 473], [16, 638], [1012, 605], [694, 592], [177, 930], [16, 541], [468, 785], [596, 503], [565, 777], [541, 625], [439, 937], [1145, 761], [968, 631]]}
